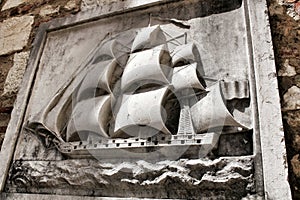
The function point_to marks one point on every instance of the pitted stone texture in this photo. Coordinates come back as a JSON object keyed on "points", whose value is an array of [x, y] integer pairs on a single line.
{"points": [[287, 69], [222, 178], [48, 10], [15, 33], [90, 4], [291, 99], [108, 5], [12, 3], [15, 74], [72, 5], [295, 162]]}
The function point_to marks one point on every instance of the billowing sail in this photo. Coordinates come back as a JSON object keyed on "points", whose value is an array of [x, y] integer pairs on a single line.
{"points": [[186, 77], [113, 50], [141, 89], [151, 65], [90, 116], [101, 76], [187, 53], [140, 110], [211, 112], [147, 38]]}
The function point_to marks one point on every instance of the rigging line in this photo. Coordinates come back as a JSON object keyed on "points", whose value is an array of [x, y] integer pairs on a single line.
{"points": [[183, 67], [175, 38], [209, 78]]}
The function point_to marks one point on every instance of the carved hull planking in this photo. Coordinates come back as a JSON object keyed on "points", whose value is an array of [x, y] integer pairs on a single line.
{"points": [[196, 146]]}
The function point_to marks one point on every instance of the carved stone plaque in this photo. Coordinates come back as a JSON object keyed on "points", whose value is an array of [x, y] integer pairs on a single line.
{"points": [[160, 100]]}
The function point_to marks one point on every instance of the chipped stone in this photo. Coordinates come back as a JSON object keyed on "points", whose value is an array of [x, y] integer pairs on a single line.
{"points": [[4, 119], [297, 8], [276, 9], [15, 74], [15, 33], [291, 99], [287, 69], [293, 12], [48, 10], [12, 3], [71, 5], [293, 119], [296, 165]]}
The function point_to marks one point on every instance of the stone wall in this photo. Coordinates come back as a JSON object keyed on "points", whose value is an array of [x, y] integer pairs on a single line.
{"points": [[19, 20], [285, 18]]}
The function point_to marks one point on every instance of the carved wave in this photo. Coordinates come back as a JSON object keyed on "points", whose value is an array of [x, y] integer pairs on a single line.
{"points": [[230, 177]]}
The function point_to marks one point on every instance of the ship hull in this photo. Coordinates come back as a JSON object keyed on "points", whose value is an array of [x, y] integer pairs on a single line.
{"points": [[179, 146]]}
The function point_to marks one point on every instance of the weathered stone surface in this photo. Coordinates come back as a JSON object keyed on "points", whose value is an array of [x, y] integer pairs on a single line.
{"points": [[167, 180], [48, 10], [108, 5], [293, 118], [15, 33], [72, 5], [291, 6], [90, 4], [287, 69], [296, 165], [12, 3], [291, 99], [229, 178], [15, 74], [6, 62], [4, 119]]}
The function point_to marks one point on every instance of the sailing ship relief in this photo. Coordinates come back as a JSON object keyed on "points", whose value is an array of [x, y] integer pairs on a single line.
{"points": [[142, 94]]}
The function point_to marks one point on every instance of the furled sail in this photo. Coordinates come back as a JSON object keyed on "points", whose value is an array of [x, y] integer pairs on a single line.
{"points": [[140, 110], [90, 116], [211, 112], [152, 65]]}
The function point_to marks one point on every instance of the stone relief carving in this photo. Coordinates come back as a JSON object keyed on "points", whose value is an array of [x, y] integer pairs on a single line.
{"points": [[225, 178], [159, 111], [143, 91]]}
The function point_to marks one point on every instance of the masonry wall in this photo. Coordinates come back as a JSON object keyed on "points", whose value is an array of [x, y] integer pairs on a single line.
{"points": [[19, 20]]}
